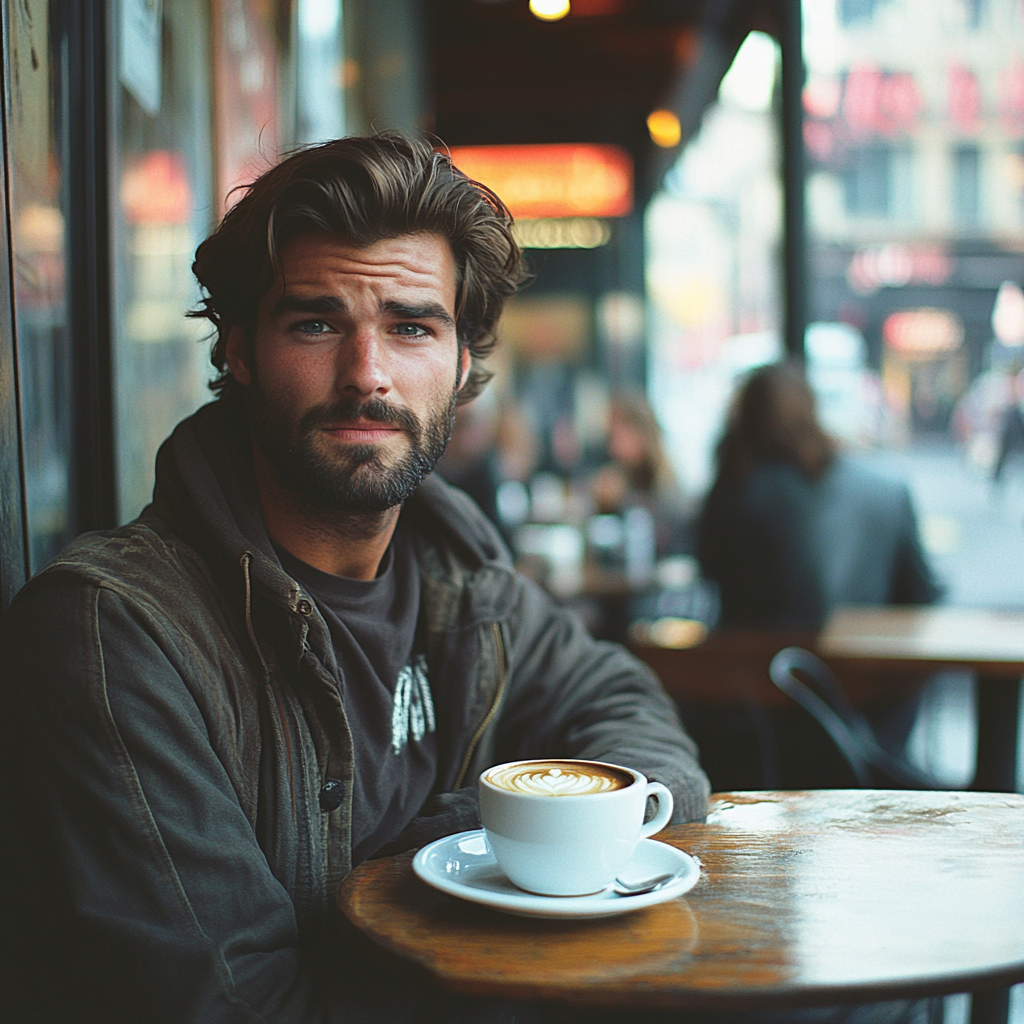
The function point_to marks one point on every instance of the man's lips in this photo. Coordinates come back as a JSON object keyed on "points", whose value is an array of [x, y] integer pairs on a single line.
{"points": [[362, 431]]}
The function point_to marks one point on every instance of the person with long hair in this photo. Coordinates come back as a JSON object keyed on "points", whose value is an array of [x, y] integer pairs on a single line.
{"points": [[792, 526], [638, 471]]}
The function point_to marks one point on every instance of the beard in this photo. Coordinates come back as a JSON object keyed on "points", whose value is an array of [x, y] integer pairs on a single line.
{"points": [[351, 479]]}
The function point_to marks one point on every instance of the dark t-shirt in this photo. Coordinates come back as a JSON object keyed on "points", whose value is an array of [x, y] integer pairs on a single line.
{"points": [[384, 688]]}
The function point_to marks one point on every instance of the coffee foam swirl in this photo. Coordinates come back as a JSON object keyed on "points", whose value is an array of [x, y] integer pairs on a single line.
{"points": [[558, 778]]}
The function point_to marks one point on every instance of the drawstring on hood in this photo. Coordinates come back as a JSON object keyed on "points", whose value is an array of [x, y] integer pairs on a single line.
{"points": [[246, 561]]}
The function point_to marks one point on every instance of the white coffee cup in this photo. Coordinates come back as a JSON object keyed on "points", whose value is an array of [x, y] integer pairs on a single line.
{"points": [[560, 827]]}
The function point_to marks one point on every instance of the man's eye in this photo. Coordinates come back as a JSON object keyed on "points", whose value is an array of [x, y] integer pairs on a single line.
{"points": [[411, 330], [312, 327]]}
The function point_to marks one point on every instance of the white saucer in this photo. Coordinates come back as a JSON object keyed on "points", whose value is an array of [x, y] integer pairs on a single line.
{"points": [[462, 865]]}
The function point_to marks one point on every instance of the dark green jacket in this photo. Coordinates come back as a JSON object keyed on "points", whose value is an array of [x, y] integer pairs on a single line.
{"points": [[173, 713]]}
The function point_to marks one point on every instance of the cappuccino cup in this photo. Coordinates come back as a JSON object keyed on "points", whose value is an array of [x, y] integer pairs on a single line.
{"points": [[565, 827]]}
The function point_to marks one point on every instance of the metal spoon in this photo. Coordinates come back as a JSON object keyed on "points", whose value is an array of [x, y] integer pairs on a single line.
{"points": [[639, 888]]}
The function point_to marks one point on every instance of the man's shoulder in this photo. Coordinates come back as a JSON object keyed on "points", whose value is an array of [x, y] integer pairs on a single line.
{"points": [[142, 562]]}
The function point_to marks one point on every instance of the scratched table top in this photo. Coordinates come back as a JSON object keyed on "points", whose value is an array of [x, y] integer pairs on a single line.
{"points": [[804, 898]]}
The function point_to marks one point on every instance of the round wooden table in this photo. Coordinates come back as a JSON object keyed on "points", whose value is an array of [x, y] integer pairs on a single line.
{"points": [[806, 898]]}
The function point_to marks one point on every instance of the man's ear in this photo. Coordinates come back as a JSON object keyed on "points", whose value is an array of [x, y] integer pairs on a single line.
{"points": [[466, 365], [236, 356]]}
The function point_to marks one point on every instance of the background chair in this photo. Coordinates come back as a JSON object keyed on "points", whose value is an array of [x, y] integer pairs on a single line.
{"points": [[811, 684]]}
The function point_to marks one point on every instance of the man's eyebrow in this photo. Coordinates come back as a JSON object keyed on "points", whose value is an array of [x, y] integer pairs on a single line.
{"points": [[309, 304], [427, 311], [332, 304]]}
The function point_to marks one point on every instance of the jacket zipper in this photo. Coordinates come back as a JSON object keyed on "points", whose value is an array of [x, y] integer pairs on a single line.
{"points": [[503, 670]]}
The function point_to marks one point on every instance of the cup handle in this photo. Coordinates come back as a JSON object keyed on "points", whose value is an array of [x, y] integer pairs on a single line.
{"points": [[665, 804]]}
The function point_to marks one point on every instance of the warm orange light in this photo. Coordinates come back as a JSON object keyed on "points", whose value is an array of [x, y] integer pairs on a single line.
{"points": [[549, 10], [923, 332], [664, 128], [561, 180]]}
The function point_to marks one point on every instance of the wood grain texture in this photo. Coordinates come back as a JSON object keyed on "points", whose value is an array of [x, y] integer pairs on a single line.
{"points": [[805, 898]]}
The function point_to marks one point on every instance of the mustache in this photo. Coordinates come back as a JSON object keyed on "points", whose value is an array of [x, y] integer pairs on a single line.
{"points": [[374, 409]]}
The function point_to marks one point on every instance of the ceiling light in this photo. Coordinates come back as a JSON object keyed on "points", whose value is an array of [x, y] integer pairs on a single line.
{"points": [[664, 128], [549, 10]]}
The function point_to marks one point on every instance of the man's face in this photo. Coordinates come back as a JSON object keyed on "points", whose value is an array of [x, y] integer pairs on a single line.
{"points": [[354, 369]]}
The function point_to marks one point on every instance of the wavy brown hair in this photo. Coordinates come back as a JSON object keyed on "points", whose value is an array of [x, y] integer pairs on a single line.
{"points": [[362, 190], [774, 418]]}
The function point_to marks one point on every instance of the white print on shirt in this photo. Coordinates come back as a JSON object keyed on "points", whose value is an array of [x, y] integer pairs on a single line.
{"points": [[413, 710]]}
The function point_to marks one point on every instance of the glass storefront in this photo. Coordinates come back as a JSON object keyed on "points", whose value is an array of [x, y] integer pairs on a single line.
{"points": [[164, 204], [36, 80], [915, 257]]}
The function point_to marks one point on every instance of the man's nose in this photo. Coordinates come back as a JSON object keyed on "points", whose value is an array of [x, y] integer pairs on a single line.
{"points": [[362, 366]]}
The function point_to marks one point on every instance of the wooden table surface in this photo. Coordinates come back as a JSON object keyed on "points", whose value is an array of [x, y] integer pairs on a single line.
{"points": [[981, 639], [805, 898]]}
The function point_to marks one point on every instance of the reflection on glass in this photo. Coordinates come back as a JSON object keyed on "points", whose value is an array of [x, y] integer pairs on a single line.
{"points": [[164, 209], [246, 80], [39, 243]]}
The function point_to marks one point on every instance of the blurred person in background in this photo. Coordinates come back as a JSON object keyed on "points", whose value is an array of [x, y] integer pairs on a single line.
{"points": [[471, 460], [639, 515], [792, 527], [638, 472], [492, 444]]}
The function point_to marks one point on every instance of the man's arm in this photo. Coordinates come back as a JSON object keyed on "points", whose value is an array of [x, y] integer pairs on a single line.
{"points": [[133, 886]]}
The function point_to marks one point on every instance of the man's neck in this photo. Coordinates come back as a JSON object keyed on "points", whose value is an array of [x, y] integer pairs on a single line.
{"points": [[343, 544]]}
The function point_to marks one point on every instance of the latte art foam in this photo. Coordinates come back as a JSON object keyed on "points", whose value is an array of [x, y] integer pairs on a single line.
{"points": [[558, 778]]}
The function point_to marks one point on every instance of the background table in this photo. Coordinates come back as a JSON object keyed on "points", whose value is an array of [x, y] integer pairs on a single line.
{"points": [[806, 898], [988, 643]]}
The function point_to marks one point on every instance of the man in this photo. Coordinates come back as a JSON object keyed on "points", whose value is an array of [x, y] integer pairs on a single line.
{"points": [[303, 653]]}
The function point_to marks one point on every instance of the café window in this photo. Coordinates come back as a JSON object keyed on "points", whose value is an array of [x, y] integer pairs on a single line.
{"points": [[914, 225], [36, 80], [163, 200], [713, 236]]}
